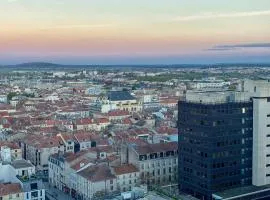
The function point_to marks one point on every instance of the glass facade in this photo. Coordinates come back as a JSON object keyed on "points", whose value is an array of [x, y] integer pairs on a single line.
{"points": [[215, 147]]}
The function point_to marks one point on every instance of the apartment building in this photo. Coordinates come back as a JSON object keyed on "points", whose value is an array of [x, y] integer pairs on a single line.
{"points": [[81, 175], [23, 174], [37, 149], [127, 177], [10, 151], [157, 163], [11, 191], [96, 181]]}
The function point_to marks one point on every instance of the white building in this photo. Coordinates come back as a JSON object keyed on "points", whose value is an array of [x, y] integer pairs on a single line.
{"points": [[127, 177], [3, 98], [157, 163], [260, 90], [23, 172], [211, 84], [10, 151], [79, 176]]}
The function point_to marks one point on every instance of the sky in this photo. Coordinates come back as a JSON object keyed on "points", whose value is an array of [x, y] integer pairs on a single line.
{"points": [[134, 31]]}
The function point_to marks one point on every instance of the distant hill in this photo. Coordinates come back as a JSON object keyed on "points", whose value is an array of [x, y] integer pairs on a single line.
{"points": [[33, 64], [48, 65], [38, 64]]}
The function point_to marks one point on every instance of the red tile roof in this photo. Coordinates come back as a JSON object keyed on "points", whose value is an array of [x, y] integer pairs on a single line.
{"points": [[167, 130], [97, 173], [155, 148], [125, 169], [118, 113], [4, 114], [85, 136], [84, 121], [11, 188], [11, 145], [102, 120], [80, 164], [127, 121], [40, 141]]}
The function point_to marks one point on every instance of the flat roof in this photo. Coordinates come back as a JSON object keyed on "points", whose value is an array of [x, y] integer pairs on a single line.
{"points": [[241, 191], [17, 164]]}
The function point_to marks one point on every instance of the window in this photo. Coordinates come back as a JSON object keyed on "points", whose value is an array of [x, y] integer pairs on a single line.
{"points": [[267, 165], [268, 155], [268, 115], [267, 175], [268, 145], [268, 135], [111, 187], [33, 186], [243, 110]]}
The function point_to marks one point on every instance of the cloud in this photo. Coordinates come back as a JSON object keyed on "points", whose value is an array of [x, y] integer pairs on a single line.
{"points": [[78, 26], [248, 45], [220, 49], [222, 15], [237, 46]]}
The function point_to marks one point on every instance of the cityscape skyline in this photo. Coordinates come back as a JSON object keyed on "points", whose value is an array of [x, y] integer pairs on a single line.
{"points": [[128, 32]]}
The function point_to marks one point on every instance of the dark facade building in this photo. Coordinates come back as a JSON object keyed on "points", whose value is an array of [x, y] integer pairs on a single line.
{"points": [[215, 146]]}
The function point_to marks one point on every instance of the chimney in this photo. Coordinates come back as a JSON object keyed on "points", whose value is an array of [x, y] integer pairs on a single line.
{"points": [[81, 164]]}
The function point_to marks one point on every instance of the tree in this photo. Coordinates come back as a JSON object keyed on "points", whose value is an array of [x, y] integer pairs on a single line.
{"points": [[11, 95]]}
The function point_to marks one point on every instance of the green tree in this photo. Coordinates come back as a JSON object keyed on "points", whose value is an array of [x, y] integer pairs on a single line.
{"points": [[11, 95]]}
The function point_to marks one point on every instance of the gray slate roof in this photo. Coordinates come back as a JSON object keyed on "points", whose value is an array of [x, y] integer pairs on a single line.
{"points": [[17, 164], [120, 96]]}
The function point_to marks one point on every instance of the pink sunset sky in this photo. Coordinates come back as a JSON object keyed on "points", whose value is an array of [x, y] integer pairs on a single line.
{"points": [[125, 31]]}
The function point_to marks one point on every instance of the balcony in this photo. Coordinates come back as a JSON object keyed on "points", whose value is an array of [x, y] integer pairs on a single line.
{"points": [[26, 179]]}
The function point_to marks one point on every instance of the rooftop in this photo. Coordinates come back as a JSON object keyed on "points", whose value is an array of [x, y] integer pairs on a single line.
{"points": [[10, 188], [97, 173], [17, 164], [125, 169], [154, 148], [241, 191], [120, 96], [216, 97]]}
